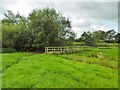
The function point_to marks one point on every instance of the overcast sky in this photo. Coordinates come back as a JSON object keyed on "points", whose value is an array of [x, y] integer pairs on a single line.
{"points": [[85, 16]]}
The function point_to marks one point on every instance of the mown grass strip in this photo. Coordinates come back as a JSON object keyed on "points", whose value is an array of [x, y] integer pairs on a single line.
{"points": [[51, 71]]}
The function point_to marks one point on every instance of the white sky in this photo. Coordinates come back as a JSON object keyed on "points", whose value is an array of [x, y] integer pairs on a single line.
{"points": [[85, 16]]}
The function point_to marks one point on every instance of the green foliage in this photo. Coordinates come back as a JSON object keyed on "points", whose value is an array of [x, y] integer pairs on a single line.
{"points": [[117, 37], [89, 39], [11, 18], [51, 71], [48, 28], [93, 38], [8, 50], [8, 34], [107, 45], [99, 35], [42, 28], [110, 35], [11, 26]]}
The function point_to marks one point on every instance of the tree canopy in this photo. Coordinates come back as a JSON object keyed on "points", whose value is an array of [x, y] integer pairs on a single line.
{"points": [[43, 27], [93, 38]]}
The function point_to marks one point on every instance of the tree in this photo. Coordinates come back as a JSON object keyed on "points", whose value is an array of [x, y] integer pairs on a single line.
{"points": [[8, 33], [44, 28], [117, 37], [83, 36], [12, 24], [92, 38], [11, 18], [110, 36], [89, 39], [99, 35]]}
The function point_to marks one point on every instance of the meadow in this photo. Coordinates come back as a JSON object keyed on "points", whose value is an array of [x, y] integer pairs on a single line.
{"points": [[90, 68], [104, 56]]}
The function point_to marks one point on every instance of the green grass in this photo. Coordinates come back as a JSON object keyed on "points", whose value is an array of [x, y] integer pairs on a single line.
{"points": [[99, 56], [53, 71], [9, 59]]}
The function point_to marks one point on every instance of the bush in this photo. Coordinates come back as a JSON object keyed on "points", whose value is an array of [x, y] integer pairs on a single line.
{"points": [[90, 42], [8, 50]]}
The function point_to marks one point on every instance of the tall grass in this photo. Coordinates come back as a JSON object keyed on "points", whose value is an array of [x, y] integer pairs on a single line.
{"points": [[103, 57]]}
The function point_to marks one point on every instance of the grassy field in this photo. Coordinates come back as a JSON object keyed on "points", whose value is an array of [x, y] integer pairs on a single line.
{"points": [[27, 70], [107, 57]]}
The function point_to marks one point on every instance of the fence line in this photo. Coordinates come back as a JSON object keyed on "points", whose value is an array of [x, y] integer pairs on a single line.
{"points": [[63, 50]]}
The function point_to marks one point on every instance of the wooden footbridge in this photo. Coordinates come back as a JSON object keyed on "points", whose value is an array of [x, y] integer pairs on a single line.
{"points": [[64, 50]]}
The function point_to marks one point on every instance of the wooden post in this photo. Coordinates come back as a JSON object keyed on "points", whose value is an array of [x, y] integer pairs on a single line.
{"points": [[45, 49], [60, 49], [54, 50]]}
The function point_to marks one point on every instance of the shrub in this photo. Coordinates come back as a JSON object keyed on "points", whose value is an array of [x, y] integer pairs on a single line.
{"points": [[8, 50]]}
